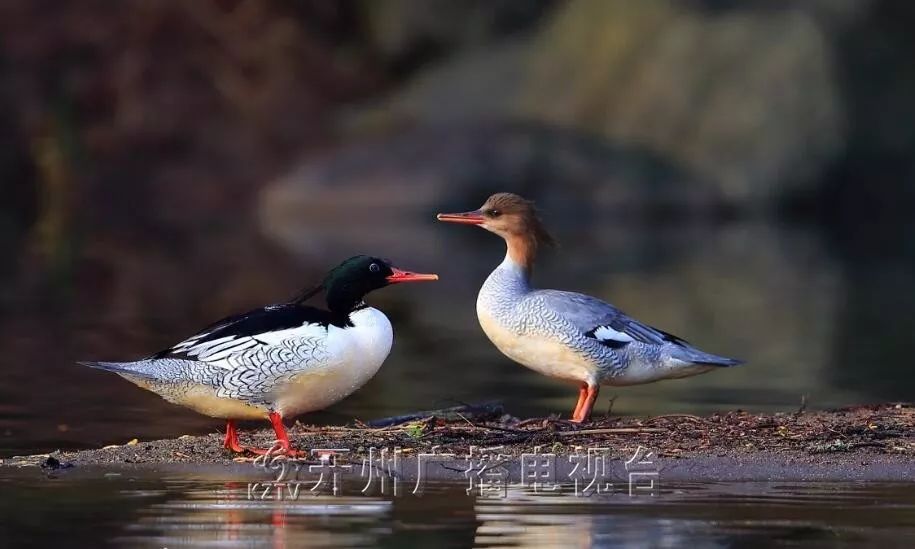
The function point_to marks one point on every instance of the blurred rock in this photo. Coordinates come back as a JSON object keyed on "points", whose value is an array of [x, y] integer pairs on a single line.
{"points": [[832, 13], [407, 33], [336, 200], [746, 98]]}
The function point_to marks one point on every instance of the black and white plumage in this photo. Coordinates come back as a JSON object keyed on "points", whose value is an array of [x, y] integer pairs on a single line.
{"points": [[236, 333], [568, 335], [259, 361], [285, 359]]}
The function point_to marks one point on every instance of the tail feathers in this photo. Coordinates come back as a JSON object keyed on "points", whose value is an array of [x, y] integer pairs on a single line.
{"points": [[722, 361], [698, 357], [130, 368]]}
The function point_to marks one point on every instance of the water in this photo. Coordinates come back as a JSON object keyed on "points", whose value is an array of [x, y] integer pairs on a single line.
{"points": [[163, 511], [813, 313]]}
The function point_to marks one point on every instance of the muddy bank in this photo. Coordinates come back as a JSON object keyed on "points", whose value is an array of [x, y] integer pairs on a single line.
{"points": [[857, 443]]}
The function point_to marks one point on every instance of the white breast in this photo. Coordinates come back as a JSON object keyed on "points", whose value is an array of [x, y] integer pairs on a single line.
{"points": [[545, 355], [497, 305], [354, 354]]}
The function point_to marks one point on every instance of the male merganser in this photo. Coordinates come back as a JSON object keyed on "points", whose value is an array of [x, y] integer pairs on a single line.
{"points": [[568, 335], [280, 360]]}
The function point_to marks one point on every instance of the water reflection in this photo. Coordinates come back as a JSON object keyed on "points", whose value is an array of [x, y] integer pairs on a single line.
{"points": [[226, 516], [787, 299], [176, 512]]}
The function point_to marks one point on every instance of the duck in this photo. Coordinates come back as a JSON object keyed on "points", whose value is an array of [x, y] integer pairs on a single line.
{"points": [[566, 335], [281, 360]]}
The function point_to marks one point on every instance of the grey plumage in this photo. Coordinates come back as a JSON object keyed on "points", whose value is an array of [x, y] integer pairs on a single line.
{"points": [[248, 371], [609, 339], [170, 378], [588, 314]]}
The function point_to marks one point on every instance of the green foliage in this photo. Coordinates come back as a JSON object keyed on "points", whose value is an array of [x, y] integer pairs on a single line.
{"points": [[415, 430]]}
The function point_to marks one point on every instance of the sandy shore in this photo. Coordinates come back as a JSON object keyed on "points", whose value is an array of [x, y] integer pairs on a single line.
{"points": [[856, 443]]}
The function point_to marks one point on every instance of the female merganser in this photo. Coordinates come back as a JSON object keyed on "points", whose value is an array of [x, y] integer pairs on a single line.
{"points": [[281, 360], [568, 335]]}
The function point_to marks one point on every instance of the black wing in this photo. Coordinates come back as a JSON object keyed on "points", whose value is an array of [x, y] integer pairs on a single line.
{"points": [[237, 332]]}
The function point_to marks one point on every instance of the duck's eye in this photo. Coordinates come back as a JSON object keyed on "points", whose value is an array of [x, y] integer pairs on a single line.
{"points": [[374, 267], [494, 213]]}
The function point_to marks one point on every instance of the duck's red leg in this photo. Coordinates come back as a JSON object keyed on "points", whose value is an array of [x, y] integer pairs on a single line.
{"points": [[277, 421], [584, 412], [231, 440], [282, 438], [582, 394]]}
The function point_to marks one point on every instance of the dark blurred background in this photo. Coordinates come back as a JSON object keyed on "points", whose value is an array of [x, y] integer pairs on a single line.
{"points": [[736, 172]]}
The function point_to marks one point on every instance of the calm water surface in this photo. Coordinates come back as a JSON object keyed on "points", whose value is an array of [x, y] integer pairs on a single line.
{"points": [[174, 512]]}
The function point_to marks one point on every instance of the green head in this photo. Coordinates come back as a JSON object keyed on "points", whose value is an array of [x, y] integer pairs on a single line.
{"points": [[347, 284]]}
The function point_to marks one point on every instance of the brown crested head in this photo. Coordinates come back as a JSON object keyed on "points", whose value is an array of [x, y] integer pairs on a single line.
{"points": [[508, 214], [512, 217]]}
